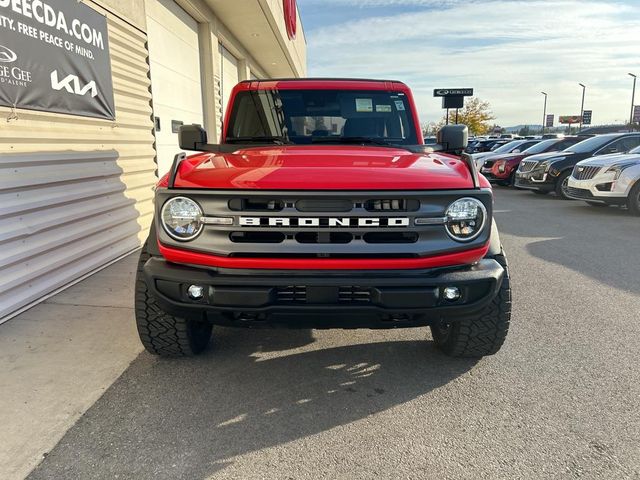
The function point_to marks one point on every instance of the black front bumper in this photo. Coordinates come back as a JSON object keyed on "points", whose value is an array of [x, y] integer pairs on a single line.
{"points": [[323, 298], [543, 182]]}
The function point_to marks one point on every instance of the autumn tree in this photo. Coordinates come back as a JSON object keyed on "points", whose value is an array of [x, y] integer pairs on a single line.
{"points": [[476, 115]]}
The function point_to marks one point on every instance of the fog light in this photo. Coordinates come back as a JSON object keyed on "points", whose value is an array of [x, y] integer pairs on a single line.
{"points": [[451, 293], [196, 292]]}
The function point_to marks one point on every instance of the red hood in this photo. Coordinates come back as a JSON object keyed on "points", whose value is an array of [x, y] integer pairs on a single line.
{"points": [[323, 168]]}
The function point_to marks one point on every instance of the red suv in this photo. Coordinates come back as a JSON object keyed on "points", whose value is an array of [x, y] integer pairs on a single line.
{"points": [[322, 208]]}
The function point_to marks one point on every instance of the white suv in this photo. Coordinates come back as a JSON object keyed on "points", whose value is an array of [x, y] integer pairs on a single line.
{"points": [[608, 180]]}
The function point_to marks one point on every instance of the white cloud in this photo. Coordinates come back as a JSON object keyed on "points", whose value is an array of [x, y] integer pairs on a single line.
{"points": [[507, 51]]}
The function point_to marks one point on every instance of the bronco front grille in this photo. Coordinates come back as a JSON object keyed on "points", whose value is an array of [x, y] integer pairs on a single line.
{"points": [[324, 224], [585, 173]]}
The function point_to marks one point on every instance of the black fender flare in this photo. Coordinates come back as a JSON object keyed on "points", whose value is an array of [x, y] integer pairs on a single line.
{"points": [[152, 241], [495, 247]]}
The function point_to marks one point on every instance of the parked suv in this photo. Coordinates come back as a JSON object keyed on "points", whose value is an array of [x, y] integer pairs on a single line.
{"points": [[322, 208], [551, 172], [501, 169], [608, 180], [513, 146]]}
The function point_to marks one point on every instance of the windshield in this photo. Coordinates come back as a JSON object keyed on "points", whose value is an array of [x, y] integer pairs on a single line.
{"points": [[321, 116], [508, 147], [590, 144], [541, 146]]}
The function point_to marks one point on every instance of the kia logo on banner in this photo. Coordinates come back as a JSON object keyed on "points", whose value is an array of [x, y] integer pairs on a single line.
{"points": [[290, 18], [54, 57], [70, 80], [7, 55]]}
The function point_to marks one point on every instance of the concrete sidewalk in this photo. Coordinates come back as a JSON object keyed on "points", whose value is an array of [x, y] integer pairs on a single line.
{"points": [[58, 358]]}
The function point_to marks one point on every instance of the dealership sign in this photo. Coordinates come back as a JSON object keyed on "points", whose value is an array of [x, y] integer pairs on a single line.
{"points": [[550, 118], [451, 92], [569, 119], [636, 114], [54, 56], [586, 117], [290, 18]]}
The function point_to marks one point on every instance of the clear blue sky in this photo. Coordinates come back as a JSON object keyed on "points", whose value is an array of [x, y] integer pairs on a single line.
{"points": [[507, 50]]}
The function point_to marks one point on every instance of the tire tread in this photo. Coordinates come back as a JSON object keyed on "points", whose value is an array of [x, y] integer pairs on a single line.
{"points": [[160, 333]]}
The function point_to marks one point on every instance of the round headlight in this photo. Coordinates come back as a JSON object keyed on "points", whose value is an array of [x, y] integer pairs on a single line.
{"points": [[465, 219], [181, 218]]}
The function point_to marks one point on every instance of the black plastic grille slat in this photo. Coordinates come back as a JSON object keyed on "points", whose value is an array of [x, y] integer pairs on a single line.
{"points": [[257, 237], [354, 294], [256, 205], [390, 237], [292, 294], [579, 192], [392, 205]]}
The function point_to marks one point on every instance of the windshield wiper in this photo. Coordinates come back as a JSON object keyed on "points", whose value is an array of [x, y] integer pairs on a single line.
{"points": [[373, 141], [260, 139]]}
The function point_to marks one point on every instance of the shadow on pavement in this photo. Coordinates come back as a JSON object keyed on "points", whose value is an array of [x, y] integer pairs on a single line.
{"points": [[188, 418], [600, 242]]}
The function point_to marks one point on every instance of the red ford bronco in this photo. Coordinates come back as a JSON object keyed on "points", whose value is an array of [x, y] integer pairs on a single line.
{"points": [[323, 208]]}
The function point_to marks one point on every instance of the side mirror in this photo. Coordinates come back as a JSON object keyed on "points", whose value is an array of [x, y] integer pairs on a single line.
{"points": [[517, 150], [190, 136], [453, 137]]}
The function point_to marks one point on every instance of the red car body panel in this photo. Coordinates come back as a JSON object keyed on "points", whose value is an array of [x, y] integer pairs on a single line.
{"points": [[342, 167], [511, 163], [194, 258]]}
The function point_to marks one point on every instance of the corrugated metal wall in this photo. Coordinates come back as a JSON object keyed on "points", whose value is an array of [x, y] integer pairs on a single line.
{"points": [[76, 192]]}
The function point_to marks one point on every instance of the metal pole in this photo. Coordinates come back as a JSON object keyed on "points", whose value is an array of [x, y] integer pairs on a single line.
{"points": [[582, 106], [544, 112], [456, 116], [633, 98], [447, 116]]}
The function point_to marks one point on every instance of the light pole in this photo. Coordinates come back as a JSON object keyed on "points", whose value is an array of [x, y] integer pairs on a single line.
{"points": [[633, 98], [544, 112], [581, 106]]}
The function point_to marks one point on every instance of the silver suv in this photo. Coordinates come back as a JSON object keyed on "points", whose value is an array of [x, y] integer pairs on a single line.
{"points": [[608, 180]]}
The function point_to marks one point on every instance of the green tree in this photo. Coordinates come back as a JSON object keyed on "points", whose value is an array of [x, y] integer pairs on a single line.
{"points": [[476, 115]]}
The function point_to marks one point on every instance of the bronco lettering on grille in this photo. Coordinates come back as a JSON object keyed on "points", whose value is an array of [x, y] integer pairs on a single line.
{"points": [[323, 222]]}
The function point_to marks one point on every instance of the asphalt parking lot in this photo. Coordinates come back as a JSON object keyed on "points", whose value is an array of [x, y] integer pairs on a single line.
{"points": [[560, 400]]}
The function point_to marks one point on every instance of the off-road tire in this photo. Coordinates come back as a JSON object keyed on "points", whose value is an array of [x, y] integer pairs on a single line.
{"points": [[483, 335], [163, 334], [633, 202], [560, 185]]}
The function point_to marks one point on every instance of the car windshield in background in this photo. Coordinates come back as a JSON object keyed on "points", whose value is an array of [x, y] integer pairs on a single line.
{"points": [[508, 147], [322, 116], [496, 145], [590, 144], [635, 150], [541, 146]]}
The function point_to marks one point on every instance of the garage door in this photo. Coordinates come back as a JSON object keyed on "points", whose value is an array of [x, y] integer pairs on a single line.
{"points": [[174, 55]]}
